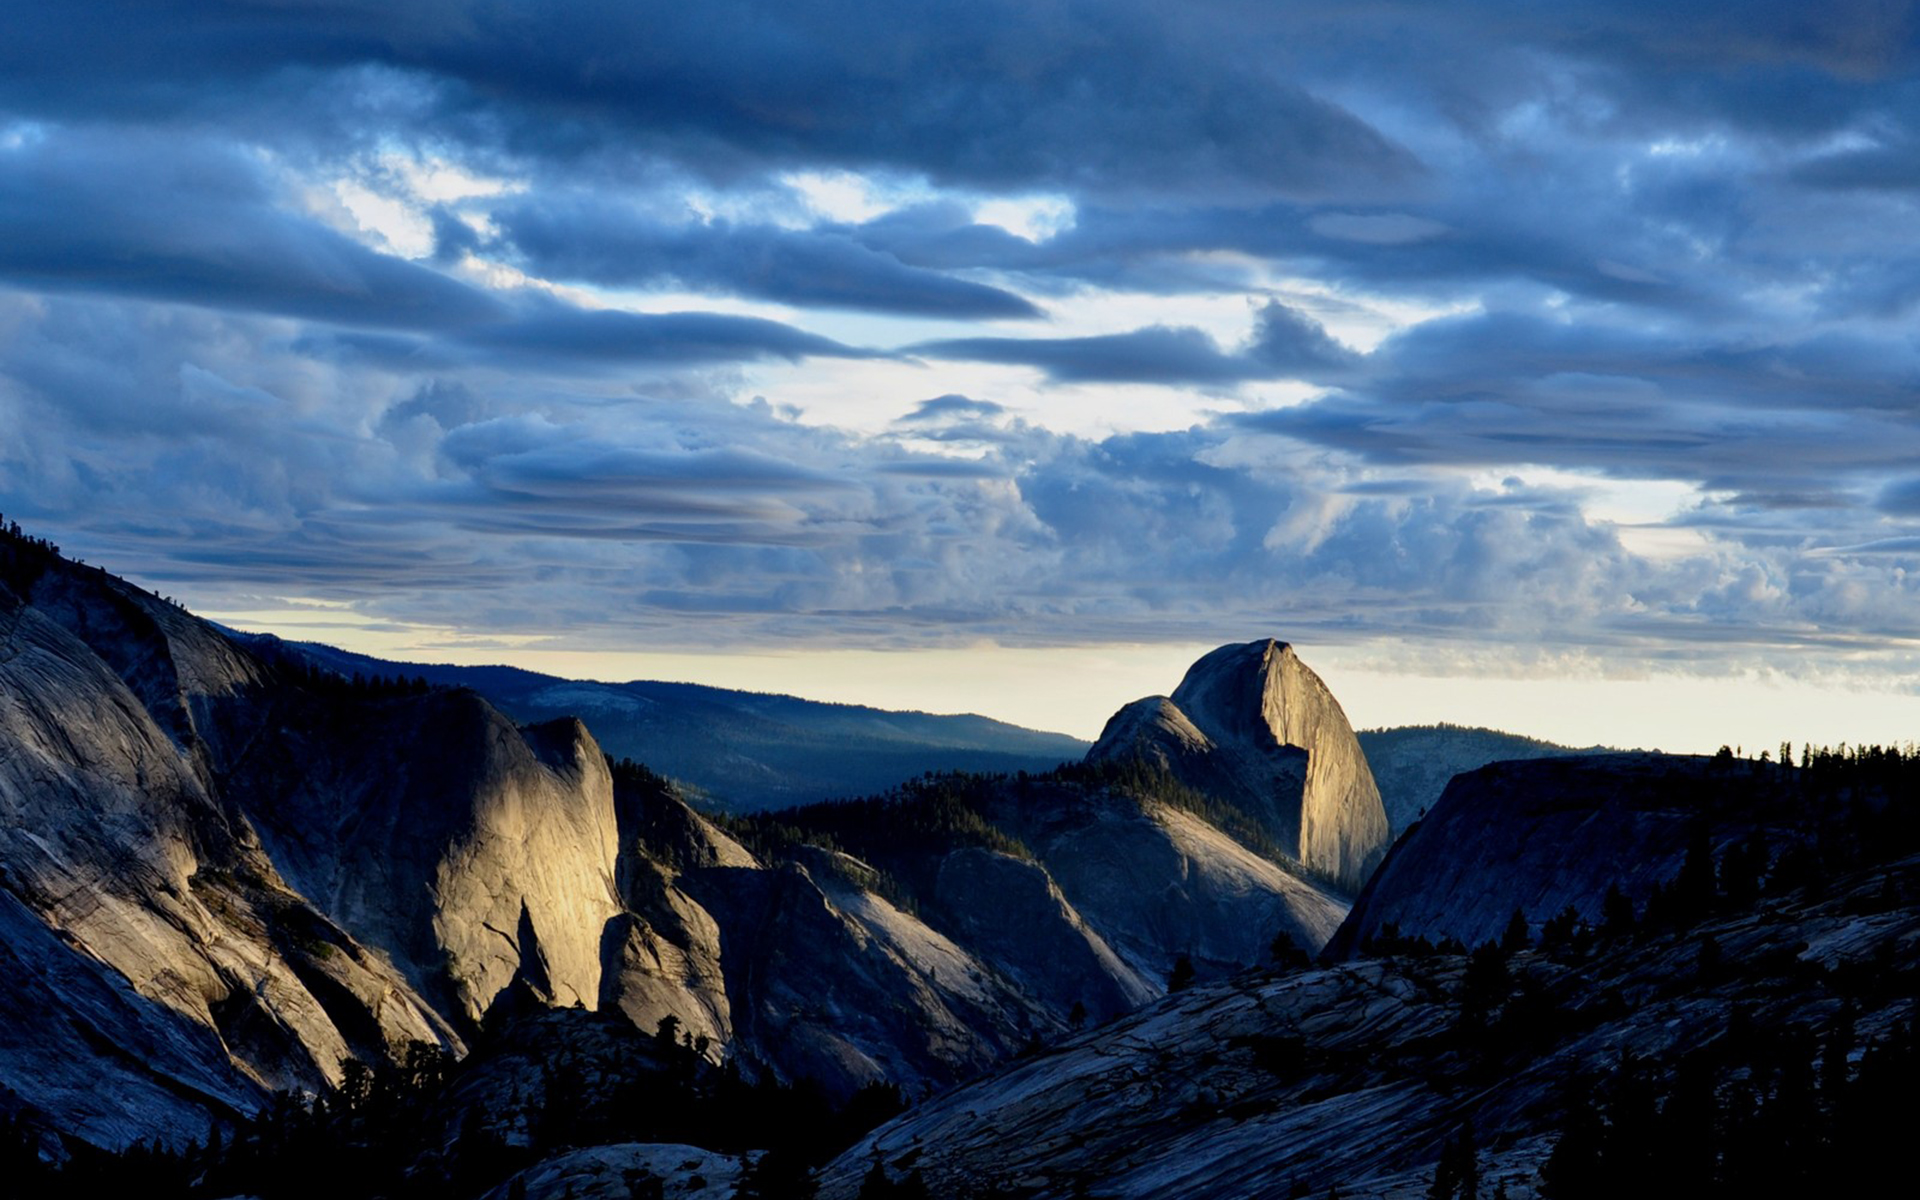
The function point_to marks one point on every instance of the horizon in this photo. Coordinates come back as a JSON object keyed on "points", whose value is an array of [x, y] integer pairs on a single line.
{"points": [[1569, 393], [1074, 690]]}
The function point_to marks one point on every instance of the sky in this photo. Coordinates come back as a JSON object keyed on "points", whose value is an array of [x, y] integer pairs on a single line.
{"points": [[1545, 366]]}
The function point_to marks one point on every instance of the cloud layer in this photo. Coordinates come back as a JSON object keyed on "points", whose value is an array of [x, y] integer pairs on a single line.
{"points": [[1586, 326]]}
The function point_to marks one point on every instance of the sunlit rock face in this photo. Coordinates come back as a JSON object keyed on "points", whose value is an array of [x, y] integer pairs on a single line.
{"points": [[1252, 726], [470, 851], [162, 968]]}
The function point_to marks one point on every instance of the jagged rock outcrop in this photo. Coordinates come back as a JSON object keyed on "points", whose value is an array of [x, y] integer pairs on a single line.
{"points": [[471, 851], [243, 880], [1252, 726], [1547, 834]]}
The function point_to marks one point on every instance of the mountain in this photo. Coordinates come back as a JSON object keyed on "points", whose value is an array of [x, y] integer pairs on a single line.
{"points": [[739, 751], [1252, 726], [1747, 1028], [390, 941], [227, 873], [1542, 835], [1413, 764], [1086, 884]]}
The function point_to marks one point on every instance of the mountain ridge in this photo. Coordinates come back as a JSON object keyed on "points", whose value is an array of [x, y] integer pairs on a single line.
{"points": [[741, 750], [277, 873]]}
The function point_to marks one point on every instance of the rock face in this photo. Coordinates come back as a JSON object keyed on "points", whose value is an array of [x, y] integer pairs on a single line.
{"points": [[143, 913], [1547, 834], [471, 851], [1355, 1076], [239, 875], [1252, 726], [1157, 882]]}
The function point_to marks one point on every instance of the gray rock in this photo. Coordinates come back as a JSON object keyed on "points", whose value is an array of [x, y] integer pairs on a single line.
{"points": [[1353, 1076], [1547, 834], [145, 917], [1252, 726], [1156, 882]]}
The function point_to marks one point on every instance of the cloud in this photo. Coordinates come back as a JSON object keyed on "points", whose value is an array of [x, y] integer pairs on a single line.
{"points": [[1601, 252], [1286, 344], [198, 224], [595, 242], [561, 334], [951, 406], [1505, 388], [1112, 98]]}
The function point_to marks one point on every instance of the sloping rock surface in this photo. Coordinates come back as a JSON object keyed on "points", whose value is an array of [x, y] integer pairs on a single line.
{"points": [[224, 872], [1354, 1076], [1547, 834]]}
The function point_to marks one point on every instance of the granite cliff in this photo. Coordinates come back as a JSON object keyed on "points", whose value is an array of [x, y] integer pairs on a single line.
{"points": [[1252, 726]]}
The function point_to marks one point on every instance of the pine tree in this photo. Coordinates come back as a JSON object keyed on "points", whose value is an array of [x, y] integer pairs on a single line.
{"points": [[1518, 935], [1181, 977], [1616, 913]]}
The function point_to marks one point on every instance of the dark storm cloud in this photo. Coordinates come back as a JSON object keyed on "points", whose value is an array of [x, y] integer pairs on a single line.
{"points": [[195, 223], [1672, 241], [1103, 97], [562, 334], [596, 242], [1286, 344]]}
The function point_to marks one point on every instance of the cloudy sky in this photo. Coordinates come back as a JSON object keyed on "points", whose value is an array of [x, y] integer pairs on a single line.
{"points": [[1547, 365]]}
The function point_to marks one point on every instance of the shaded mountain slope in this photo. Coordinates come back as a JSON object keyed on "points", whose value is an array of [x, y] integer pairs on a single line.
{"points": [[1412, 764], [1547, 834], [1117, 873]]}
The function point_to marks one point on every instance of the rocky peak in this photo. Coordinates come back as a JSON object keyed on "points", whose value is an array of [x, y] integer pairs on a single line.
{"points": [[1252, 725]]}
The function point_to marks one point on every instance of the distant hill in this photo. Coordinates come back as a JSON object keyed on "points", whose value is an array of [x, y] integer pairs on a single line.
{"points": [[1412, 764], [742, 751]]}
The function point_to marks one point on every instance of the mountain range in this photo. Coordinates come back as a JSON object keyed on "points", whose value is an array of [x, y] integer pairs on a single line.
{"points": [[734, 751], [243, 871], [312, 924]]}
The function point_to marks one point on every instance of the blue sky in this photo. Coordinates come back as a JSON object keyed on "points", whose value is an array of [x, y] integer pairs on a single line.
{"points": [[1555, 344]]}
